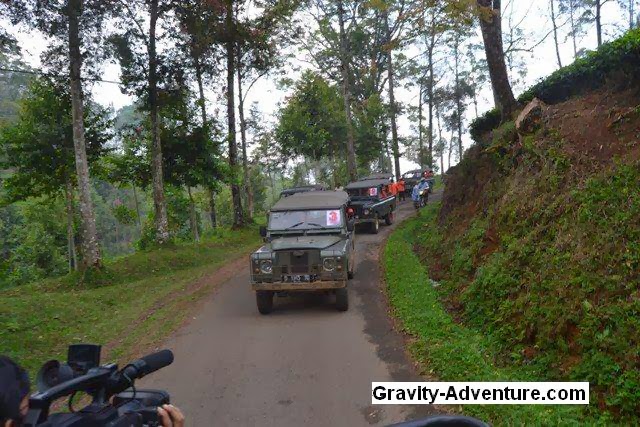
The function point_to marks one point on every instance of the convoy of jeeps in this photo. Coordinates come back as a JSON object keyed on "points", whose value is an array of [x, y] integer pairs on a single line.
{"points": [[309, 239]]}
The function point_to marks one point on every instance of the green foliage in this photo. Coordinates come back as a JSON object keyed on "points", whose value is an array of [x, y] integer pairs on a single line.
{"points": [[124, 214], [485, 124], [190, 156], [34, 241], [38, 146], [312, 123]]}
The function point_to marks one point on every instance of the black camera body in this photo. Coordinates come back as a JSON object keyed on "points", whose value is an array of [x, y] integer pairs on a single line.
{"points": [[115, 400]]}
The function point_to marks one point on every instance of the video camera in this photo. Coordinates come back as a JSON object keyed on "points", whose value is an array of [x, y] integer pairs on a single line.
{"points": [[115, 400]]}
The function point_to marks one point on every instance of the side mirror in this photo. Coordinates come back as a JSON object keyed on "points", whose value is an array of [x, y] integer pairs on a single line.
{"points": [[263, 231]]}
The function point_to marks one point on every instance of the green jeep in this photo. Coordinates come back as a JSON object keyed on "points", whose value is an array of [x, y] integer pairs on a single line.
{"points": [[309, 247]]}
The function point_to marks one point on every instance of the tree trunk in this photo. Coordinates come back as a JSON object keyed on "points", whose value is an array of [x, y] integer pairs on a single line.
{"points": [[458, 94], [201, 98], [440, 142], [632, 14], [393, 110], [248, 191], [599, 21], [450, 147], [238, 219], [430, 90], [91, 256], [555, 32], [212, 209], [205, 124], [71, 242], [420, 141], [334, 165], [490, 24], [352, 168], [574, 36], [159, 204], [193, 216], [135, 199], [273, 186]]}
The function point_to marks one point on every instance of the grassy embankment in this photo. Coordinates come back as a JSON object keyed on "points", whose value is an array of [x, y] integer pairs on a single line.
{"points": [[445, 348], [137, 301], [536, 248]]}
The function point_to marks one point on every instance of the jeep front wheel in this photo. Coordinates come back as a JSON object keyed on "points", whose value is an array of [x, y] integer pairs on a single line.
{"points": [[389, 218], [375, 225], [342, 299], [264, 299]]}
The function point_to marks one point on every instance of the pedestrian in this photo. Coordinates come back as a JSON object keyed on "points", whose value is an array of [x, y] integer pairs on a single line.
{"points": [[401, 189]]}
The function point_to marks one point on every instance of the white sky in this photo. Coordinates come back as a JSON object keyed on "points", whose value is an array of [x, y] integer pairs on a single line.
{"points": [[540, 62]]}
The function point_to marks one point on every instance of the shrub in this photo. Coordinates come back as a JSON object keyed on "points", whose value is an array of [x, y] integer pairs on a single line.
{"points": [[621, 56], [485, 124]]}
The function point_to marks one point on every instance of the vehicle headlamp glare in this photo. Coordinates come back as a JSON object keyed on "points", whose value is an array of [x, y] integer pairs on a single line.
{"points": [[266, 266], [329, 264]]}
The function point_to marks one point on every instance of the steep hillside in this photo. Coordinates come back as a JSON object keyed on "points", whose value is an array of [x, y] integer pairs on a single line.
{"points": [[538, 238]]}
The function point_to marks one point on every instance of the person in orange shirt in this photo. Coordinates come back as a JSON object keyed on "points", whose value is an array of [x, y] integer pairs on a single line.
{"points": [[400, 189]]}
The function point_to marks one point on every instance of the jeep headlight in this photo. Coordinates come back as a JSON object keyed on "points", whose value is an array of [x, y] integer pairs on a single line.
{"points": [[329, 264], [366, 212], [266, 266]]}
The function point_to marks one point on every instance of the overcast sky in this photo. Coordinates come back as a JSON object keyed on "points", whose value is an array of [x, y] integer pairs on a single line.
{"points": [[533, 16]]}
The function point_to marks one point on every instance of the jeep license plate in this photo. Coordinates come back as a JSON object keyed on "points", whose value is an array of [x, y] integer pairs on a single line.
{"points": [[297, 278]]}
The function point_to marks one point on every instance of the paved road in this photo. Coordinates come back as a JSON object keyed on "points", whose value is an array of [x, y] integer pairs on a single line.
{"points": [[305, 364]]}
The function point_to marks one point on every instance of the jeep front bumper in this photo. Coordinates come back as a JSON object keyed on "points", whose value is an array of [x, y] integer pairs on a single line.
{"points": [[318, 285]]}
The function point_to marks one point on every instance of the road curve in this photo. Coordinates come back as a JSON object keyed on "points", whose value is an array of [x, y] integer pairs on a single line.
{"points": [[304, 364]]}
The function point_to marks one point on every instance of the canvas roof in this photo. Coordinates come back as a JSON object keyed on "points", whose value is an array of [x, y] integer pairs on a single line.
{"points": [[312, 200], [366, 184], [383, 175], [302, 189]]}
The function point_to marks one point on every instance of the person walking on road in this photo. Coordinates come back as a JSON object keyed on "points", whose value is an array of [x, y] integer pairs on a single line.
{"points": [[401, 189]]}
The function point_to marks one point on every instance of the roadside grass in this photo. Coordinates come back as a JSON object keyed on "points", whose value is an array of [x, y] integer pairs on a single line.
{"points": [[136, 301], [451, 351]]}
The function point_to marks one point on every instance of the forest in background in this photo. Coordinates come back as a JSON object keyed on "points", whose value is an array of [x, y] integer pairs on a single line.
{"points": [[81, 183]]}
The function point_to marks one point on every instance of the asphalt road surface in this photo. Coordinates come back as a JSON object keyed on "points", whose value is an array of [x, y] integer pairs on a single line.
{"points": [[304, 364]]}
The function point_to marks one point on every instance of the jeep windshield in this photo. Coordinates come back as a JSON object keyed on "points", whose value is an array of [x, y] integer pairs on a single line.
{"points": [[305, 220], [412, 175]]}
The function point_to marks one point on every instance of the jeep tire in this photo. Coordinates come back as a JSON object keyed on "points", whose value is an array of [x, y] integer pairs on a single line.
{"points": [[389, 218], [264, 300], [375, 225], [342, 299]]}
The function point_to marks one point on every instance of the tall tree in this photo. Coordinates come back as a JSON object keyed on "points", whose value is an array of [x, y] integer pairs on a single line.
{"points": [[631, 7], [190, 155], [90, 246], [202, 27], [554, 23], [597, 6], [345, 66], [230, 52], [575, 9], [490, 15], [136, 50], [393, 107], [262, 38], [160, 206]]}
